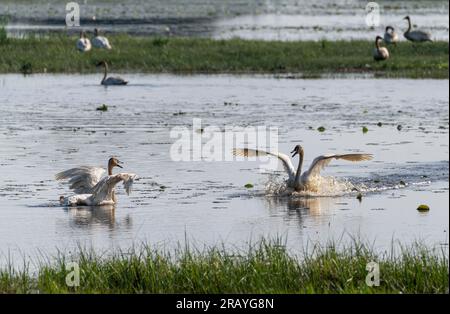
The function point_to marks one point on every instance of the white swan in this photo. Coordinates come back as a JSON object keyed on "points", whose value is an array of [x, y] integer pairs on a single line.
{"points": [[416, 36], [92, 188], [83, 43], [100, 41], [310, 179], [110, 80], [380, 53], [390, 35]]}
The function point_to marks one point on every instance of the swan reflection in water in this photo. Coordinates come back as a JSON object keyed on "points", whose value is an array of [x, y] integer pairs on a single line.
{"points": [[302, 207], [89, 217]]}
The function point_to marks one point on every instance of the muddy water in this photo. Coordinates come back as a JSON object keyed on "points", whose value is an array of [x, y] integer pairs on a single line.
{"points": [[49, 123], [264, 19]]}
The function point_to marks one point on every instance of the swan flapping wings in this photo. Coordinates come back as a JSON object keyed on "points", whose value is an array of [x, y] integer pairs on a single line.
{"points": [[82, 179], [298, 180]]}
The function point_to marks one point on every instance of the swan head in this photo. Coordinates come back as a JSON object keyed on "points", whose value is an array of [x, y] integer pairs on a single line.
{"points": [[407, 18], [389, 28], [297, 150], [101, 63], [114, 162], [95, 32], [378, 38]]}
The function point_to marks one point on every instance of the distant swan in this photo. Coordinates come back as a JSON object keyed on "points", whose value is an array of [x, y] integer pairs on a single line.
{"points": [[100, 41], [83, 43], [110, 80], [380, 53], [390, 36], [92, 188], [308, 180], [416, 36]]}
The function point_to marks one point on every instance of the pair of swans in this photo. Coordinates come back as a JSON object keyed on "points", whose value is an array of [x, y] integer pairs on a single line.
{"points": [[298, 180], [93, 187], [85, 45], [391, 37]]}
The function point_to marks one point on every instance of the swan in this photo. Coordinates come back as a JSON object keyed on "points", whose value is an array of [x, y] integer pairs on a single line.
{"points": [[83, 43], [390, 36], [92, 186], [310, 179], [100, 41], [416, 36], [110, 80], [380, 53]]}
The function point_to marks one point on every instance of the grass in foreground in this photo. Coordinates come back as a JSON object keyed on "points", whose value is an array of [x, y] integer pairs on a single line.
{"points": [[264, 268], [57, 54]]}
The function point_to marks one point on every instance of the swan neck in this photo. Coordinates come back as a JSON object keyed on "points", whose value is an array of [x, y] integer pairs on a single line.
{"points": [[377, 44], [110, 168], [299, 169], [105, 67], [409, 26]]}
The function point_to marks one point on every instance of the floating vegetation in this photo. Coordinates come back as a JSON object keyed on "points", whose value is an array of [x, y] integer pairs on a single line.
{"points": [[321, 129], [249, 186], [102, 108], [359, 197], [365, 129], [423, 208], [380, 124], [399, 127]]}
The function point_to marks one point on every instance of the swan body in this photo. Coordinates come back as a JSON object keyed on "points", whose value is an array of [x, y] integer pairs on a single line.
{"points": [[417, 35], [92, 187], [103, 192], [310, 179], [107, 81], [83, 43], [380, 53], [100, 41], [390, 36]]}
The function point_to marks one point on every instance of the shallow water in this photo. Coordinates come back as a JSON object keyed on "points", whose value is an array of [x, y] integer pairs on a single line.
{"points": [[262, 19], [49, 123]]}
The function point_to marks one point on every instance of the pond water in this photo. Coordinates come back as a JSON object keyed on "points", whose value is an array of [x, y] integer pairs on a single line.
{"points": [[262, 19], [49, 123]]}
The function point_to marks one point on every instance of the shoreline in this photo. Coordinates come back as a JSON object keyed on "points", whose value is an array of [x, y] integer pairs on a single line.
{"points": [[186, 56]]}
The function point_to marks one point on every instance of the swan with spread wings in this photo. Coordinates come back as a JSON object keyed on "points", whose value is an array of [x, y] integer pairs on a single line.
{"points": [[92, 187], [308, 180]]}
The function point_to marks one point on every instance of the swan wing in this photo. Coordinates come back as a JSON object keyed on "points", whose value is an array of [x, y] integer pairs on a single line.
{"points": [[82, 179], [103, 190], [286, 161], [322, 161]]}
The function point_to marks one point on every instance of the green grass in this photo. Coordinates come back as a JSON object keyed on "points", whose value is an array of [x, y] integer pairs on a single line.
{"points": [[57, 54], [264, 268]]}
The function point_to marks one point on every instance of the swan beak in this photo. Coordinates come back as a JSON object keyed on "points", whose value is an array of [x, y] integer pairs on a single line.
{"points": [[294, 153], [118, 164]]}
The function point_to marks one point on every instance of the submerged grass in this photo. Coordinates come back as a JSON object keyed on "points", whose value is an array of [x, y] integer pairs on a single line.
{"points": [[57, 54], [265, 268]]}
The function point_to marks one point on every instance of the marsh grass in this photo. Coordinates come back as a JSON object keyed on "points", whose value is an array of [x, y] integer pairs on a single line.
{"points": [[264, 268], [57, 54]]}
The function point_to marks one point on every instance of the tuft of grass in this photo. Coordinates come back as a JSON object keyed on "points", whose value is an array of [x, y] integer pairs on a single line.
{"points": [[266, 267], [57, 54]]}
